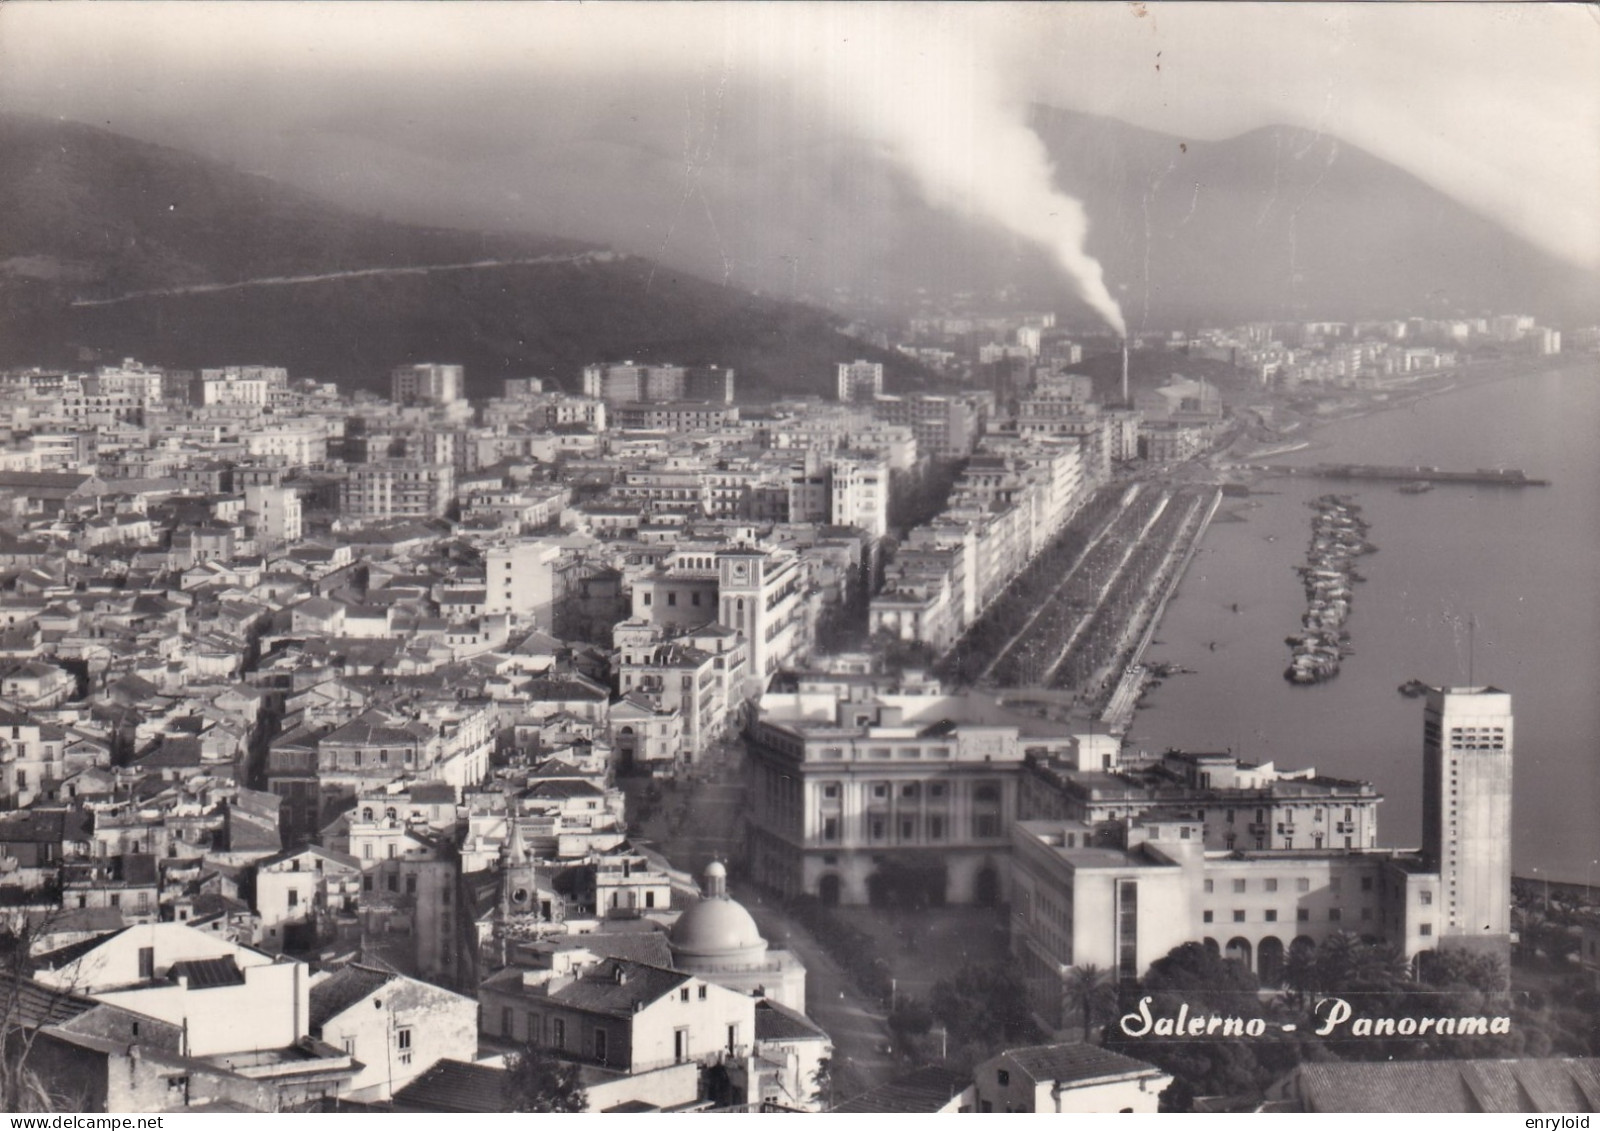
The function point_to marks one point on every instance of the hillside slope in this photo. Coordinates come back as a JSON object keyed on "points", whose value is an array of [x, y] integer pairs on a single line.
{"points": [[1286, 223], [87, 217]]}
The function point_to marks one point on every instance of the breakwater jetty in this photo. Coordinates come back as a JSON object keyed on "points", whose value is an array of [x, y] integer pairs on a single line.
{"points": [[1338, 536], [1485, 477]]}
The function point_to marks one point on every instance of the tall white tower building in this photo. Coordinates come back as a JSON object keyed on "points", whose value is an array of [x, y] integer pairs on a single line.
{"points": [[1466, 813]]}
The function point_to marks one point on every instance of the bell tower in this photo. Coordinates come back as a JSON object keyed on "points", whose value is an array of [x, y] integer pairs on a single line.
{"points": [[525, 903]]}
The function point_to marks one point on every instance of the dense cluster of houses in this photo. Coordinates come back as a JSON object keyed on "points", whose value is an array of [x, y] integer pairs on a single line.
{"points": [[309, 700]]}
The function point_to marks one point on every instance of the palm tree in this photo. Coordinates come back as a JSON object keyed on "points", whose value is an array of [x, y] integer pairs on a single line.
{"points": [[1090, 992], [1300, 972], [1381, 964], [1338, 959]]}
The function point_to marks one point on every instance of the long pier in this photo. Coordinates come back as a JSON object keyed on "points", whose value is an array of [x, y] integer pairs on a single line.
{"points": [[1486, 477]]}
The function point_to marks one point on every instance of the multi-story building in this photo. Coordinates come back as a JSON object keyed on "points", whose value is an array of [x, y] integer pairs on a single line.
{"points": [[298, 892], [522, 579], [298, 444], [241, 385], [674, 416], [1243, 806], [1059, 416], [655, 1026], [631, 383], [396, 488], [279, 521], [681, 677], [860, 490], [31, 758], [427, 383], [1170, 442], [1119, 896], [907, 798], [924, 593], [132, 379], [1466, 811], [758, 593], [860, 380], [228, 998], [368, 752], [945, 427], [762, 595]]}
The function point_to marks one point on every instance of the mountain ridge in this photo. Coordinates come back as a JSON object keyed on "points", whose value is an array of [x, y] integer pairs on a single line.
{"points": [[111, 246], [1296, 223]]}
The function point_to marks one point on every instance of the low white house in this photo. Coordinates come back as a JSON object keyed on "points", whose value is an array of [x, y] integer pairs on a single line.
{"points": [[1078, 1078], [226, 998], [296, 888], [395, 1027]]}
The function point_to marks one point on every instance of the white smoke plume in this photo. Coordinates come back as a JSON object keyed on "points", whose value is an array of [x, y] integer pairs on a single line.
{"points": [[930, 86]]}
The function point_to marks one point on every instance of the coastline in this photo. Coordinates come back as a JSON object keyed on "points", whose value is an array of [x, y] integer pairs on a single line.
{"points": [[1412, 620], [1304, 436]]}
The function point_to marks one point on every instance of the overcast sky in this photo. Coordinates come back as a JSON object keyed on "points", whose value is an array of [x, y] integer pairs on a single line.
{"points": [[1496, 104]]}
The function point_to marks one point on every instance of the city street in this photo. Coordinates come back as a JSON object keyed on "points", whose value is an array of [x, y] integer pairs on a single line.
{"points": [[859, 1035], [701, 820]]}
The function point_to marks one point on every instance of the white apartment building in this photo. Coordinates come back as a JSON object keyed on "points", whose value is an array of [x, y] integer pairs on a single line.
{"points": [[860, 380], [521, 580], [860, 490]]}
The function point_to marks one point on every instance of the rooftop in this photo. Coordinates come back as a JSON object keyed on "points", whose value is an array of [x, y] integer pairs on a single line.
{"points": [[1436, 1086], [925, 1090], [1075, 1063], [342, 989]]}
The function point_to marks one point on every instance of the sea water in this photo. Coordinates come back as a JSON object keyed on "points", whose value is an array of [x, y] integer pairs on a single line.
{"points": [[1481, 584]]}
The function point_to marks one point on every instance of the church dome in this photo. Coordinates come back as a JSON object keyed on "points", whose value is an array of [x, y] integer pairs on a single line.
{"points": [[717, 927]]}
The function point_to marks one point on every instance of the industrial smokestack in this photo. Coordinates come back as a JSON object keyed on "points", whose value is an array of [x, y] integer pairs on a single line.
{"points": [[1125, 399]]}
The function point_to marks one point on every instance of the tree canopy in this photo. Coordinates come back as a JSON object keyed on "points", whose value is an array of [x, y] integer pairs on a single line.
{"points": [[539, 1082]]}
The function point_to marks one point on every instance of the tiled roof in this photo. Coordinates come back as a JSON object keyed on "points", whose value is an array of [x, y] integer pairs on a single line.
{"points": [[208, 904], [456, 1086], [647, 947], [332, 854], [32, 1004], [14, 480], [1546, 1084], [433, 793], [374, 730], [35, 825], [66, 955], [550, 689], [1068, 1063], [923, 1091], [600, 991], [561, 788], [777, 1022], [555, 768], [258, 801], [342, 989], [208, 973], [318, 607], [172, 752]]}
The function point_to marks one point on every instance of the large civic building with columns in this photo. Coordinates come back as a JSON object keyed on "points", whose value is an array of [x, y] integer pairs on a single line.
{"points": [[1120, 894], [903, 799]]}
